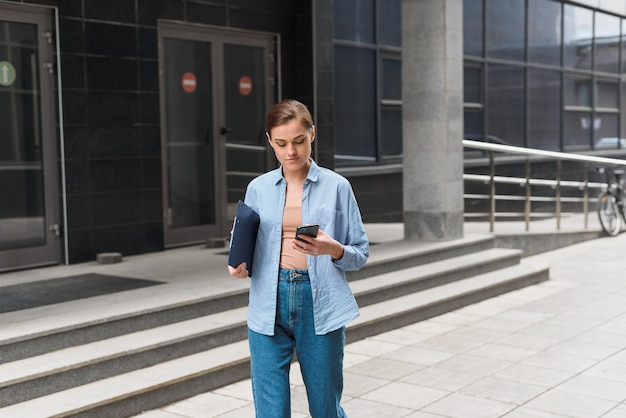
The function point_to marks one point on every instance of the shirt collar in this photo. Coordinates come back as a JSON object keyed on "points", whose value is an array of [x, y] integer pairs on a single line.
{"points": [[313, 174]]}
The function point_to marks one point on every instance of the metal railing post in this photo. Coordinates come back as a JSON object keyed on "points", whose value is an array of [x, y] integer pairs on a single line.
{"points": [[527, 201], [586, 196], [558, 195], [492, 192]]}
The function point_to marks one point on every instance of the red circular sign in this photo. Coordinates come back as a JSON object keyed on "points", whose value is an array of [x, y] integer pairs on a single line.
{"points": [[245, 85], [189, 82]]}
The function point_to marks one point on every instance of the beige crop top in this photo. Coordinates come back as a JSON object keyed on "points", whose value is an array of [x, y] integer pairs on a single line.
{"points": [[290, 258]]}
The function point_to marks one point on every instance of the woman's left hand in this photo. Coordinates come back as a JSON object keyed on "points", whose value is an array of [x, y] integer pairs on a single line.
{"points": [[320, 245]]}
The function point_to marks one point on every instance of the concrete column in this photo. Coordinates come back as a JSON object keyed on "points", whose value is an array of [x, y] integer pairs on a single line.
{"points": [[432, 127]]}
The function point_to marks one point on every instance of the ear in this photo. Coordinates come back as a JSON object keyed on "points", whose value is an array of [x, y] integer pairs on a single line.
{"points": [[312, 133], [267, 134]]}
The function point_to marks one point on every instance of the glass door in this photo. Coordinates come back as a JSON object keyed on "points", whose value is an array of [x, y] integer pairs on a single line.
{"points": [[28, 209], [216, 85]]}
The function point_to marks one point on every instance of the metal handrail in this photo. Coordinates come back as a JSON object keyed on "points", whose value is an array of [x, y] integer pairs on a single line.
{"points": [[527, 181]]}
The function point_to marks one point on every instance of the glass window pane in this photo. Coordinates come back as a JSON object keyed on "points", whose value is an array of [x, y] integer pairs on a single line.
{"points": [[391, 131], [505, 103], [576, 130], [605, 130], [505, 29], [390, 28], [473, 125], [577, 36], [354, 20], [607, 34], [189, 133], [355, 102], [623, 45], [607, 94], [392, 79], [577, 91], [472, 85], [473, 27], [544, 109], [544, 31]]}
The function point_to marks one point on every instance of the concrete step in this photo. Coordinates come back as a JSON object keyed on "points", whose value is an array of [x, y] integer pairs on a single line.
{"points": [[58, 370], [401, 311], [413, 279], [139, 390], [82, 325], [147, 388]]}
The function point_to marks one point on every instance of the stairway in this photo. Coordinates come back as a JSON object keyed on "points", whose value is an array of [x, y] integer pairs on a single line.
{"points": [[143, 358]]}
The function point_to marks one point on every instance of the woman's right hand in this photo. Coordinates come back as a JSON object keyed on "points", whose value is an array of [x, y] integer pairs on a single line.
{"points": [[239, 272]]}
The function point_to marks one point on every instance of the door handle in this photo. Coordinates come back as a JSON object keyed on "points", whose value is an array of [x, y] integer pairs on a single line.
{"points": [[225, 130]]}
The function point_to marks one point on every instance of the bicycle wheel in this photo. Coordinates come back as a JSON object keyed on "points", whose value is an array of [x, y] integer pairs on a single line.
{"points": [[609, 215]]}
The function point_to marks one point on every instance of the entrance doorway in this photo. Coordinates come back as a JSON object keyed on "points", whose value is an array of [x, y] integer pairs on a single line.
{"points": [[29, 219], [216, 86]]}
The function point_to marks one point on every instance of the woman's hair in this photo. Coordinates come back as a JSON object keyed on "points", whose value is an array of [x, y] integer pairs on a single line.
{"points": [[284, 112]]}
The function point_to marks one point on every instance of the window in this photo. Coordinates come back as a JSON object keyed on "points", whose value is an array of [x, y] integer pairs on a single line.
{"points": [[355, 104], [473, 27], [367, 81], [354, 20], [544, 32], [606, 41], [505, 98], [577, 36], [544, 109], [505, 23]]}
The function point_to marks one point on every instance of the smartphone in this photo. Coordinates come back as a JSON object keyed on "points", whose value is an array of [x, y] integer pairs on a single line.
{"points": [[310, 230]]}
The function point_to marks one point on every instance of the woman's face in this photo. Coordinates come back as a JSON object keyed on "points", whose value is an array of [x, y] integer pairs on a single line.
{"points": [[291, 143]]}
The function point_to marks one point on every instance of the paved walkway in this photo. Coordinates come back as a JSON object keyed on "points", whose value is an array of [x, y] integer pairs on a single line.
{"points": [[557, 349]]}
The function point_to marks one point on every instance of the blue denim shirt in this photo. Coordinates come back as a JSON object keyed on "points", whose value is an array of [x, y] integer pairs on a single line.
{"points": [[327, 200]]}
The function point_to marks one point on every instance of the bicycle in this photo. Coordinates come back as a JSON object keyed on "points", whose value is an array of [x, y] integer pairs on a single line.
{"points": [[611, 202]]}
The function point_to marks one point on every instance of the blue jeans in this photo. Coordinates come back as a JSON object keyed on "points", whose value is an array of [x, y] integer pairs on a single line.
{"points": [[320, 356]]}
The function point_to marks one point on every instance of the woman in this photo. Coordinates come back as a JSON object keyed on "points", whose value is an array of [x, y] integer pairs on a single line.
{"points": [[299, 296]]}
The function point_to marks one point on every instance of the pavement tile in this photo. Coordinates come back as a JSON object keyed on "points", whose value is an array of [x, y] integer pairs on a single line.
{"points": [[477, 333], [610, 390], [466, 406], [525, 315], [528, 341], [534, 375], [608, 370], [560, 361], [449, 344], [603, 338], [431, 327], [474, 365], [503, 390], [371, 347], [571, 404], [405, 395], [502, 352], [420, 356], [198, 406], [525, 412], [618, 412], [362, 408], [385, 368], [402, 336], [356, 385], [444, 379]]}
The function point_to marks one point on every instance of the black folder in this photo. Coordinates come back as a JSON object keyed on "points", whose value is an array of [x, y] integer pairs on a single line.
{"points": [[243, 236]]}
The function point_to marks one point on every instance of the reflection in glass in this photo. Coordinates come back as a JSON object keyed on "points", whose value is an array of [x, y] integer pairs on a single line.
{"points": [[189, 133], [505, 27], [544, 109], [391, 131], [472, 84], [354, 20], [392, 79], [473, 27], [473, 125], [605, 130], [389, 31], [577, 36], [505, 96], [355, 102], [607, 94], [544, 31], [607, 34], [577, 127], [577, 91], [22, 207]]}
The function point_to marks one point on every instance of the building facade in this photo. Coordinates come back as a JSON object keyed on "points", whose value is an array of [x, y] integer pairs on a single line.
{"points": [[134, 126]]}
